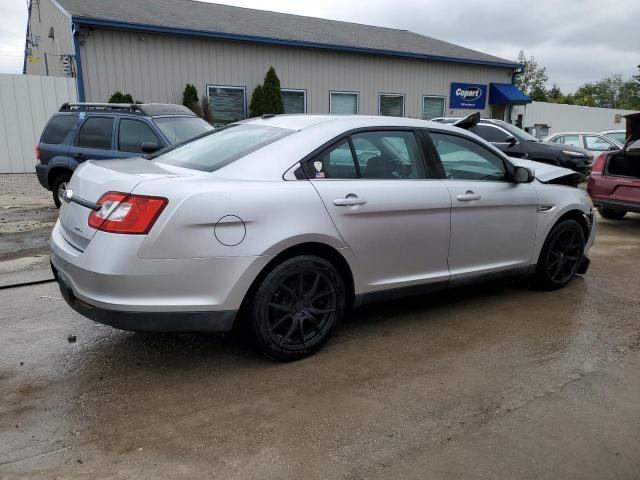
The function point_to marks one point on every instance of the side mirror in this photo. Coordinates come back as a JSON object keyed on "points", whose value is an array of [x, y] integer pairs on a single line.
{"points": [[149, 147], [511, 140], [523, 175]]}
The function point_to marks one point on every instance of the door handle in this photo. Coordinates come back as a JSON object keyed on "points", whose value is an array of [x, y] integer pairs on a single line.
{"points": [[469, 197], [350, 200]]}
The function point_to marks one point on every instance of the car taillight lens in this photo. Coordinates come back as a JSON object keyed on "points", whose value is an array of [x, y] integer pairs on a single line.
{"points": [[38, 152], [126, 213], [598, 167]]}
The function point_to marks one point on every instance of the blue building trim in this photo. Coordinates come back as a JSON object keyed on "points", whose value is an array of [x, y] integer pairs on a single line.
{"points": [[95, 22], [76, 48]]}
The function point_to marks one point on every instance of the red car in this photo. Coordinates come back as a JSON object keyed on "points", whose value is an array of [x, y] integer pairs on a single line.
{"points": [[614, 184]]}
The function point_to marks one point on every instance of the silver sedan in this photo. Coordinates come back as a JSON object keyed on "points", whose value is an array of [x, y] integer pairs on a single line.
{"points": [[287, 222]]}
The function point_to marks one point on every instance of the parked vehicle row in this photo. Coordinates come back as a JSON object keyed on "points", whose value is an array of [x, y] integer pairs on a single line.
{"points": [[81, 131], [288, 221]]}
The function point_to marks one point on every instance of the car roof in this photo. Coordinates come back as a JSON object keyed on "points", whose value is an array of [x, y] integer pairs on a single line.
{"points": [[555, 134], [620, 130], [145, 109]]}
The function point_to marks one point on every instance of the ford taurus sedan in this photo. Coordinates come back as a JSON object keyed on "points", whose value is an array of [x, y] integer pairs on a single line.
{"points": [[289, 221]]}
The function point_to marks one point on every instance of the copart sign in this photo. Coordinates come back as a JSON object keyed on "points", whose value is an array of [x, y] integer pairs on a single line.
{"points": [[468, 95]]}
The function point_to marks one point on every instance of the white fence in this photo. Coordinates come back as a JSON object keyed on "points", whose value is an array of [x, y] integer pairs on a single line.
{"points": [[26, 103]]}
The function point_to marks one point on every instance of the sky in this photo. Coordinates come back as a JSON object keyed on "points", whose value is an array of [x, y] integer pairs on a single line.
{"points": [[577, 41]]}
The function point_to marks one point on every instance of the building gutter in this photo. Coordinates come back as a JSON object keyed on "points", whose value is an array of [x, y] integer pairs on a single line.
{"points": [[76, 47], [139, 27]]}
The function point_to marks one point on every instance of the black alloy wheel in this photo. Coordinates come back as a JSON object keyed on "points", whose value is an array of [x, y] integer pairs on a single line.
{"points": [[561, 255], [296, 307]]}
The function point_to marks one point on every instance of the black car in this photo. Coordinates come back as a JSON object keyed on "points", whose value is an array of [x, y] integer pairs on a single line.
{"points": [[517, 143], [100, 131]]}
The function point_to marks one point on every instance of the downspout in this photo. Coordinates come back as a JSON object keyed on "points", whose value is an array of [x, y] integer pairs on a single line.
{"points": [[76, 46], [26, 41]]}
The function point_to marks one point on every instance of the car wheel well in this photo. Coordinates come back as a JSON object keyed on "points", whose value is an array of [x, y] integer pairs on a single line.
{"points": [[578, 216], [309, 248], [54, 172]]}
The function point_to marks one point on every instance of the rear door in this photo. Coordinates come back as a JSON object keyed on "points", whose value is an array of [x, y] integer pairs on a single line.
{"points": [[93, 139], [493, 220], [388, 206]]}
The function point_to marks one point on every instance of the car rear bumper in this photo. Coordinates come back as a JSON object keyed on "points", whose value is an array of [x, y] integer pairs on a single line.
{"points": [[42, 171], [109, 283]]}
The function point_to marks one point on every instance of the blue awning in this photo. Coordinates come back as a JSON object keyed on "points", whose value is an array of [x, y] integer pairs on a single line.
{"points": [[506, 94]]}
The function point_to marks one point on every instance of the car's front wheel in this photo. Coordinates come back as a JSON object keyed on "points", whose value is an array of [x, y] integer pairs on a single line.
{"points": [[296, 307], [612, 213], [59, 187], [561, 255]]}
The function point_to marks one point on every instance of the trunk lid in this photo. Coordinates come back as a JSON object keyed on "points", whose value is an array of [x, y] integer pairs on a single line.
{"points": [[93, 179]]}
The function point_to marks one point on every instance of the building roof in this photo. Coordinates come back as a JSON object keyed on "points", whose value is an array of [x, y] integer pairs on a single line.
{"points": [[197, 18]]}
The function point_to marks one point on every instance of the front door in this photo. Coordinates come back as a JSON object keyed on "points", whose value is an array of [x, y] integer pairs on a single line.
{"points": [[388, 211], [493, 220]]}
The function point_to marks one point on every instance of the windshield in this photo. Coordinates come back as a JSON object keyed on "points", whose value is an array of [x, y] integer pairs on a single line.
{"points": [[179, 129], [214, 150], [620, 137], [518, 132]]}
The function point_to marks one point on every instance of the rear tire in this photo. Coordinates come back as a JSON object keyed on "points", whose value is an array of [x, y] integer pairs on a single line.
{"points": [[297, 307], [612, 213], [561, 255], [59, 186]]}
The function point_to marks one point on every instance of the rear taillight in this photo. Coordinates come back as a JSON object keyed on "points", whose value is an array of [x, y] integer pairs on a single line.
{"points": [[598, 167], [38, 152], [126, 213]]}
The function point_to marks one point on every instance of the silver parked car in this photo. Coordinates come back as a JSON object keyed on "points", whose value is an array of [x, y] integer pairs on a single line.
{"points": [[596, 143], [292, 220]]}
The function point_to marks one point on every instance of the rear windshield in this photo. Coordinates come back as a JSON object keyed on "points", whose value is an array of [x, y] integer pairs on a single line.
{"points": [[214, 150], [179, 129], [58, 128]]}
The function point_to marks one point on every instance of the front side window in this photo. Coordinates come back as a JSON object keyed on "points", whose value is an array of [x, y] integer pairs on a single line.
{"points": [[227, 104], [391, 105], [490, 134], [464, 159], [133, 133], [96, 132], [595, 143], [388, 155], [343, 103], [213, 151], [432, 107], [179, 129], [58, 128], [294, 101]]}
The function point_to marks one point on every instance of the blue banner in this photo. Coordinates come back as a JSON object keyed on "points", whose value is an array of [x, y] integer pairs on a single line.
{"points": [[468, 95]]}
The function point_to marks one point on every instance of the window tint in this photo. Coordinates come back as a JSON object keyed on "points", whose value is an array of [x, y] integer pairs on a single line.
{"points": [[388, 155], [133, 133], [432, 107], [573, 140], [58, 128], [336, 162], [490, 134], [220, 147], [294, 101], [179, 129], [593, 142], [227, 104], [392, 105], [96, 132], [464, 159], [343, 103]]}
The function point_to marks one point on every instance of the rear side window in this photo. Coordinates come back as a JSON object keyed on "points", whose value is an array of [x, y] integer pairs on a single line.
{"points": [[58, 128], [220, 147], [490, 134], [96, 132], [133, 133]]}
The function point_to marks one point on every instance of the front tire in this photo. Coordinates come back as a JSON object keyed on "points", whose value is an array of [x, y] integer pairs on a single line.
{"points": [[297, 307], [561, 255], [612, 213], [59, 187]]}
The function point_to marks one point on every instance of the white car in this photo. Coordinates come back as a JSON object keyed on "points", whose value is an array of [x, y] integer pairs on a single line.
{"points": [[596, 143], [289, 221], [619, 135]]}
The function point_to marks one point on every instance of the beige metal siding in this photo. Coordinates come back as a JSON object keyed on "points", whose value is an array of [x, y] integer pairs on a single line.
{"points": [[47, 14], [155, 68], [26, 103]]}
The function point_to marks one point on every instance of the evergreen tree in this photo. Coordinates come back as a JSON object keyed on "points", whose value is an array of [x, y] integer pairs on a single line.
{"points": [[119, 97], [206, 110], [271, 93], [190, 99], [256, 106]]}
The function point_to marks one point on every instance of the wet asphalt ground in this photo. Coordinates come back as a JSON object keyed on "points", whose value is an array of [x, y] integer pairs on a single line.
{"points": [[491, 381]]}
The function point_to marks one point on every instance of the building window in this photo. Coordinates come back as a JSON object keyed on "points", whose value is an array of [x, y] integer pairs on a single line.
{"points": [[391, 105], [343, 103], [228, 104], [295, 101], [432, 107]]}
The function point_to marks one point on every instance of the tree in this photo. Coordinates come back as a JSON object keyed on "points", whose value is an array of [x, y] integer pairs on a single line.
{"points": [[271, 93], [256, 108], [538, 94], [206, 109], [533, 77], [190, 99], [554, 94], [119, 97]]}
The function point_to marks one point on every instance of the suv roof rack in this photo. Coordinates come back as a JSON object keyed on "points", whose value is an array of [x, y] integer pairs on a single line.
{"points": [[151, 109]]}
